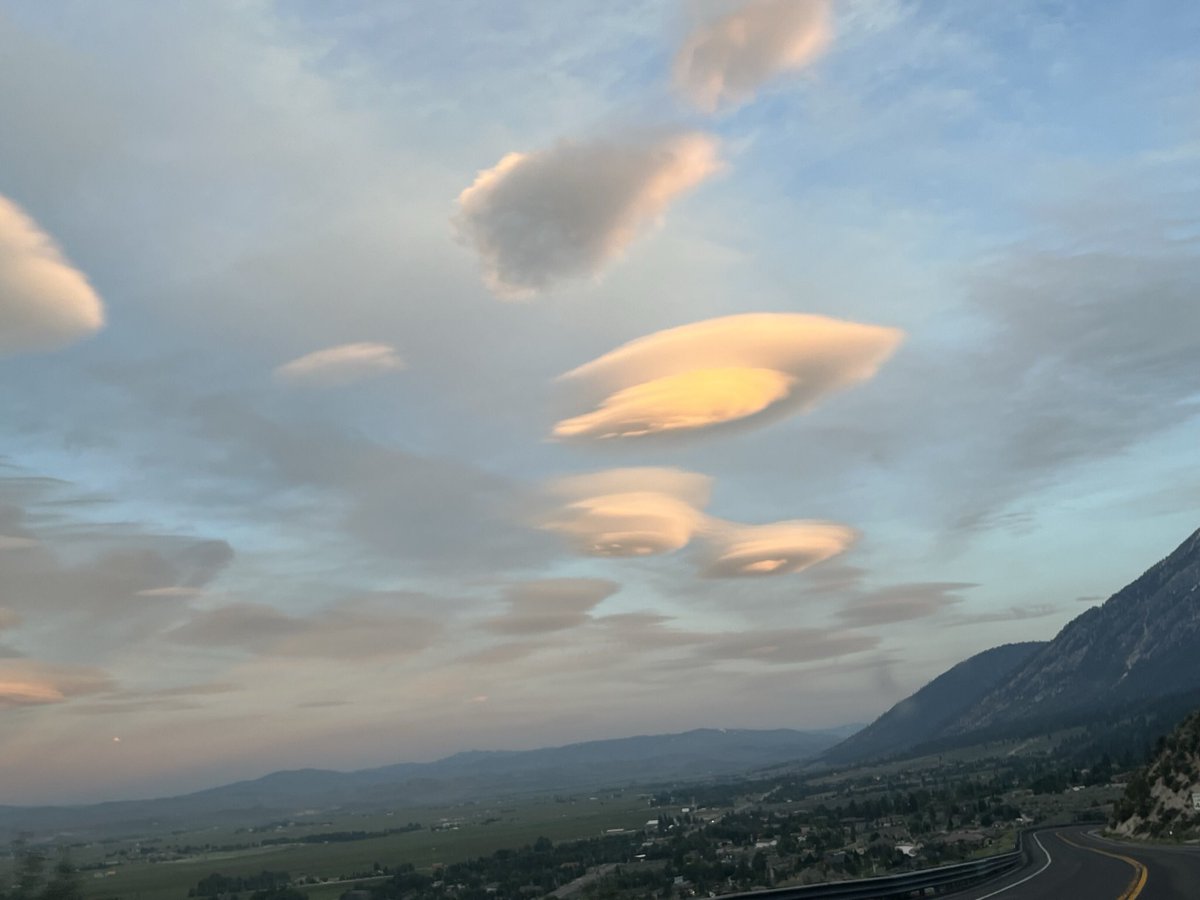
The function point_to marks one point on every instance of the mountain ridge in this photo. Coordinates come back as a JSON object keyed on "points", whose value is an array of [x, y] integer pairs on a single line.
{"points": [[471, 774], [1139, 646]]}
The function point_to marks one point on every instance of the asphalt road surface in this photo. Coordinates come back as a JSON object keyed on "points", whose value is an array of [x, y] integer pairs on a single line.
{"points": [[1072, 864]]}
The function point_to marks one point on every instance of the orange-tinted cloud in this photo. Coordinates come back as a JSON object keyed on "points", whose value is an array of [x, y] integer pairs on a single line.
{"points": [[45, 303], [341, 365], [721, 371], [538, 218], [628, 512], [28, 683], [685, 401], [780, 548], [722, 63]]}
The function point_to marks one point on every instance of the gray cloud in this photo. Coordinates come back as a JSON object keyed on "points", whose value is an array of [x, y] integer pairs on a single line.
{"points": [[552, 604], [785, 646], [903, 603], [1009, 614], [45, 303], [566, 212], [435, 512], [722, 63], [352, 629]]}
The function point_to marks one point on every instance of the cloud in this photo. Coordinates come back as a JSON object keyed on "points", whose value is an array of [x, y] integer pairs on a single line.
{"points": [[1008, 614], [566, 212], [352, 629], [8, 619], [628, 512], [45, 303], [787, 645], [648, 511], [721, 371], [779, 548], [28, 683], [341, 365], [722, 63], [552, 604], [173, 591], [12, 542], [903, 603], [435, 512]]}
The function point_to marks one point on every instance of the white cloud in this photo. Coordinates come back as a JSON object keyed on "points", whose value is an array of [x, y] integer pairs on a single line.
{"points": [[45, 303], [341, 365], [566, 212], [779, 548], [722, 63], [721, 371]]}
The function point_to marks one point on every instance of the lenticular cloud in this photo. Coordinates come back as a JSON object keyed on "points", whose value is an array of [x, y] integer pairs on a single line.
{"points": [[628, 512], [780, 548], [45, 303], [723, 63], [721, 371], [566, 212], [648, 511]]}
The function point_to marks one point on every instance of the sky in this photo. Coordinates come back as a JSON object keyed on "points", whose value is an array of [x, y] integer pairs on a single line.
{"points": [[381, 380]]}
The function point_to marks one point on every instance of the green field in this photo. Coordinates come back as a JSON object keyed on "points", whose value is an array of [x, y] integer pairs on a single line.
{"points": [[468, 831]]}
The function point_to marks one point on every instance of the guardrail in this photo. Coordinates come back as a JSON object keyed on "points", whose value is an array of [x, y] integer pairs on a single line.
{"points": [[906, 884]]}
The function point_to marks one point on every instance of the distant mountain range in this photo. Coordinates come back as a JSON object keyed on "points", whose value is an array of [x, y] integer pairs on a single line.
{"points": [[475, 775], [1140, 650]]}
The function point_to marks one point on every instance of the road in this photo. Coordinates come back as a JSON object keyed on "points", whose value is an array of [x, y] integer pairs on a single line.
{"points": [[1073, 864]]}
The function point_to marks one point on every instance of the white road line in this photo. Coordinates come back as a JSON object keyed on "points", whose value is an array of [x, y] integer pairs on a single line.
{"points": [[1027, 877]]}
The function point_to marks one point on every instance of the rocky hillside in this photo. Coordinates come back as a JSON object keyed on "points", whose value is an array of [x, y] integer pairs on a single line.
{"points": [[1135, 656], [1141, 644], [936, 706], [1158, 802]]}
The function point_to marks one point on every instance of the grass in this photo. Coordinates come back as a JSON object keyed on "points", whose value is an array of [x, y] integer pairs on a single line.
{"points": [[481, 831]]}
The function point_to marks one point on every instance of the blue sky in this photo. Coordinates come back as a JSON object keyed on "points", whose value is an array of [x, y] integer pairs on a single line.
{"points": [[995, 201]]}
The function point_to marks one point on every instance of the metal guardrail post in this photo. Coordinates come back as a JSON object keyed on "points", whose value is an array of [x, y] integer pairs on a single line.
{"points": [[890, 887]]}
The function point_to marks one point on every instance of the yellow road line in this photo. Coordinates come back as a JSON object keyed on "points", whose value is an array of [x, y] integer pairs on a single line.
{"points": [[1140, 873]]}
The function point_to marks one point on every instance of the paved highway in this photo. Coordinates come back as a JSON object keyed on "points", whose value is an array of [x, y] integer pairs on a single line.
{"points": [[1072, 864]]}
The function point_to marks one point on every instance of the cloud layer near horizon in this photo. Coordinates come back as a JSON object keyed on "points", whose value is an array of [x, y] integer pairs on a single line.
{"points": [[541, 217], [45, 302], [722, 63], [721, 371]]}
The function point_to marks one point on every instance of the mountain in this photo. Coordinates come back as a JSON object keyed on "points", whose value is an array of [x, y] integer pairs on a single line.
{"points": [[1141, 644], [936, 706], [1158, 801], [1135, 654], [647, 759]]}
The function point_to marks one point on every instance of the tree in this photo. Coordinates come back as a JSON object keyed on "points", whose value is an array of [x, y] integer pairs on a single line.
{"points": [[29, 868]]}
